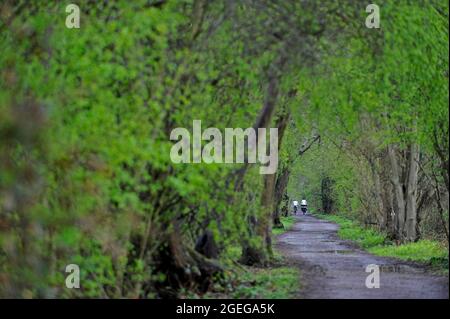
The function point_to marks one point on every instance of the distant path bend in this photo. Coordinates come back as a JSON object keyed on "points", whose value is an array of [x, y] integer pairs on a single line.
{"points": [[333, 268]]}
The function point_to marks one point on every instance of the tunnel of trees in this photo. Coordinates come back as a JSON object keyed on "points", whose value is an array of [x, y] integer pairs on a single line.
{"points": [[86, 114]]}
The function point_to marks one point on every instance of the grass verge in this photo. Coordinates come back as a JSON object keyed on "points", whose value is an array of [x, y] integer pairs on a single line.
{"points": [[280, 282], [424, 251], [277, 281], [268, 283], [350, 230], [287, 223]]}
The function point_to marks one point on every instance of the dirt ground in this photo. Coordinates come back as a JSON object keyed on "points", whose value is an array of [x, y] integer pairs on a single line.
{"points": [[333, 268]]}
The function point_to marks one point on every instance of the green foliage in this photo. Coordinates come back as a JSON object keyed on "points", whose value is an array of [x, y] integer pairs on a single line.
{"points": [[95, 148], [385, 88]]}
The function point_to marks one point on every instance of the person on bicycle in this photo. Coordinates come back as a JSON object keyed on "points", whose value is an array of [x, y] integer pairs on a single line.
{"points": [[304, 206], [295, 204]]}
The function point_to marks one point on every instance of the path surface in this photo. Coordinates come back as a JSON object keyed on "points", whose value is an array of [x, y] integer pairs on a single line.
{"points": [[333, 268]]}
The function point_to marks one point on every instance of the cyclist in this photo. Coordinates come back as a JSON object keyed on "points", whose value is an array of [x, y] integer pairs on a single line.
{"points": [[304, 206], [295, 204]]}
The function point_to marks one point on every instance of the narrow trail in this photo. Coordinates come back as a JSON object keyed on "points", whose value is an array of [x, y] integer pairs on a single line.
{"points": [[333, 268]]}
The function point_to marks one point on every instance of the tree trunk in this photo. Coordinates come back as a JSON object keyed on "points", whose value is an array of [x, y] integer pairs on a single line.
{"points": [[411, 193], [326, 190], [283, 177], [386, 195], [440, 207], [381, 217], [264, 227], [280, 188], [268, 109], [252, 254], [398, 191]]}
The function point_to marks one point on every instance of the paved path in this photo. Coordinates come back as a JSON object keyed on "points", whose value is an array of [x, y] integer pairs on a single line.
{"points": [[333, 268]]}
